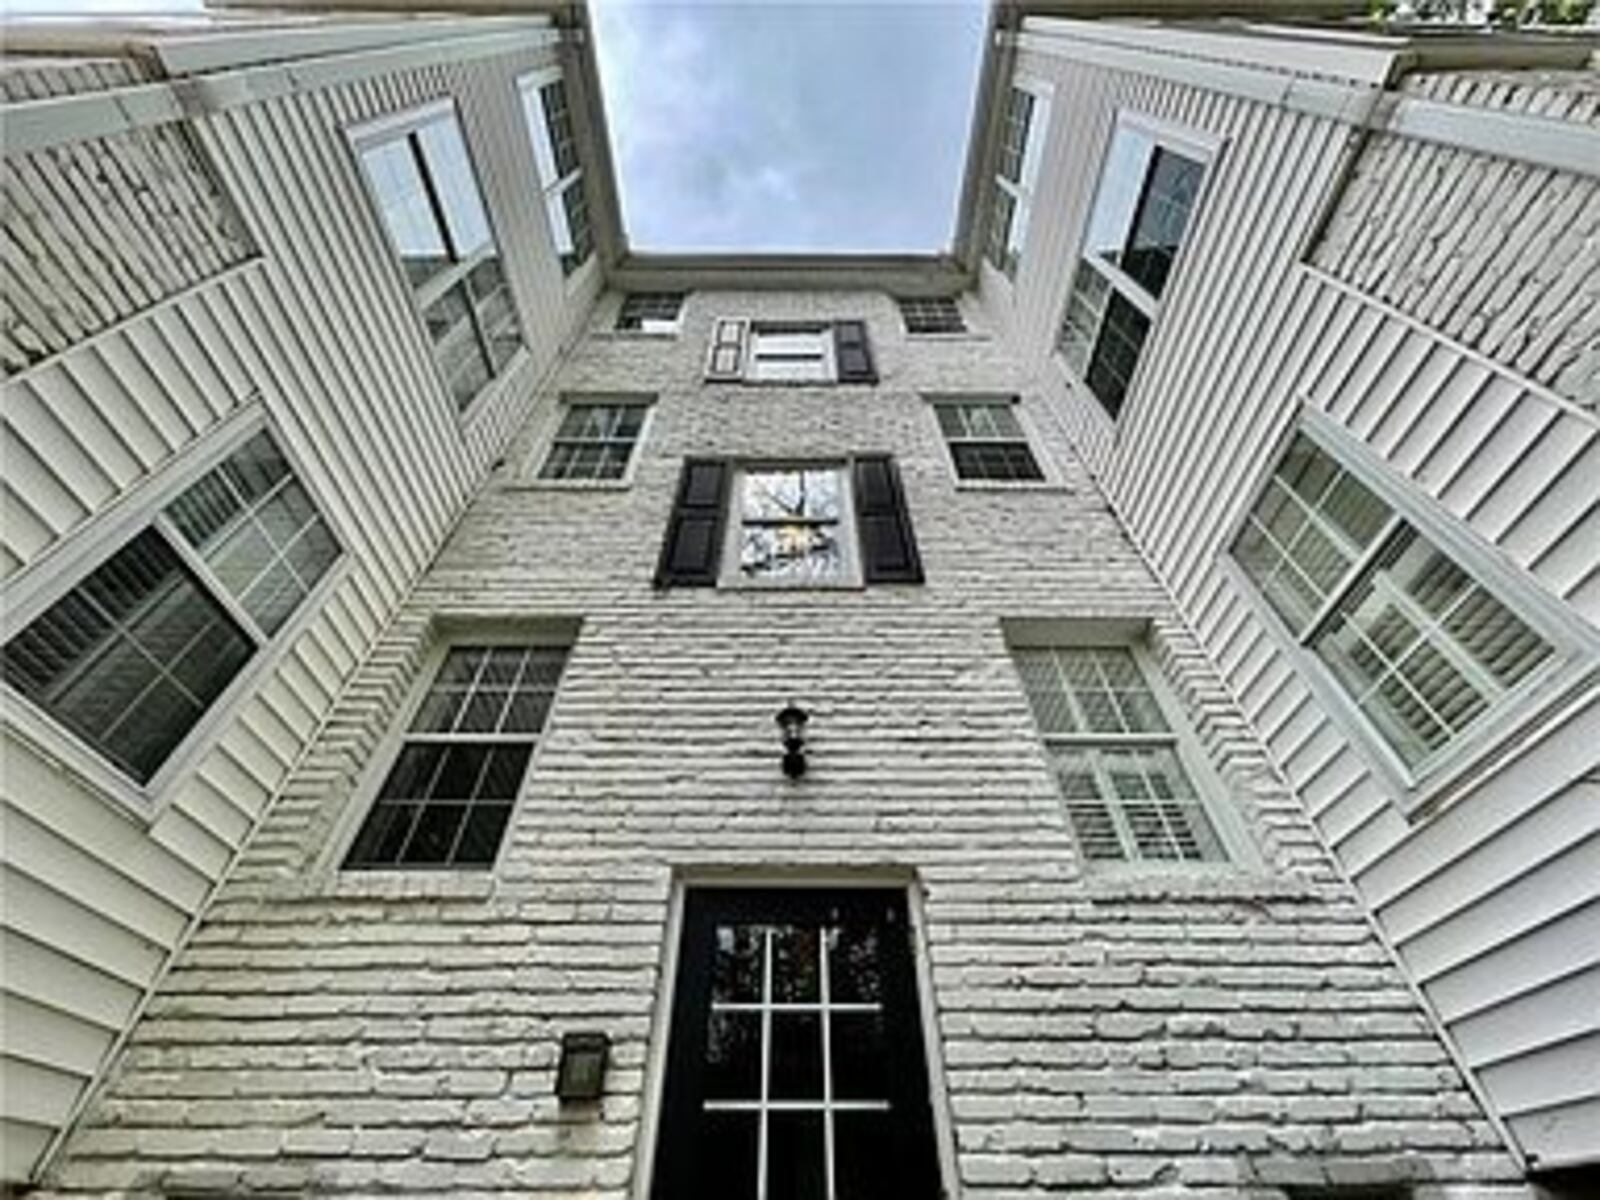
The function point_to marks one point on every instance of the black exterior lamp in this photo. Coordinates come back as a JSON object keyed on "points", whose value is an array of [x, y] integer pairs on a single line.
{"points": [[581, 1074], [792, 720]]}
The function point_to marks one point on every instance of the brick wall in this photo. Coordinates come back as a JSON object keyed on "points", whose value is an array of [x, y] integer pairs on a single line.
{"points": [[1215, 1035]]}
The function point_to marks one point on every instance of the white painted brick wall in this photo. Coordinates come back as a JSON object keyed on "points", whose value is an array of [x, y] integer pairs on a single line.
{"points": [[1114, 1036]]}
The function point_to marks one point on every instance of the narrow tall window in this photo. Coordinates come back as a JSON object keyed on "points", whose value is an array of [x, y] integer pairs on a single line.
{"points": [[422, 179], [1115, 757], [1027, 121], [931, 314], [555, 149], [1422, 649], [651, 312], [132, 658], [1147, 192], [594, 441], [986, 441], [448, 797]]}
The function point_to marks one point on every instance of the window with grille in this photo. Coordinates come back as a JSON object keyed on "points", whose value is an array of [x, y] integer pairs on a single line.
{"points": [[987, 441], [137, 653], [651, 312], [548, 114], [1147, 192], [1423, 650], [595, 441], [793, 526], [422, 180], [1027, 120], [1116, 757], [447, 798], [931, 314]]}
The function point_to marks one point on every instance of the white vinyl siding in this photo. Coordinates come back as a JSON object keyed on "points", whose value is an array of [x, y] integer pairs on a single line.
{"points": [[1115, 757]]}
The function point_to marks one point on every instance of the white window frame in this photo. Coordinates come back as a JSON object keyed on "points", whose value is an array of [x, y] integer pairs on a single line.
{"points": [[1193, 144], [615, 315], [370, 134], [544, 634], [552, 187], [1210, 791], [35, 590], [822, 330], [850, 577], [1573, 665], [1024, 190], [545, 443], [965, 333], [1050, 478]]}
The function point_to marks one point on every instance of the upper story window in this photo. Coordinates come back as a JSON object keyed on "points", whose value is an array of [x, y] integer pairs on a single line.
{"points": [[555, 149], [651, 312], [986, 440], [1148, 187], [422, 179], [931, 314], [134, 656], [595, 441], [1423, 652], [1027, 122], [789, 524], [748, 351], [1116, 757], [448, 796]]}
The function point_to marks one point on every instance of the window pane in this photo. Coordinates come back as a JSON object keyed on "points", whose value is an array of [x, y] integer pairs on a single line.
{"points": [[860, 1056], [496, 310], [456, 344], [1001, 212], [796, 1071], [1014, 134], [737, 968], [402, 197], [795, 1164], [558, 125], [792, 553], [1169, 195], [456, 185], [931, 314], [1086, 308], [1116, 352], [778, 495], [650, 312], [575, 208], [733, 1056], [132, 657], [855, 969]]}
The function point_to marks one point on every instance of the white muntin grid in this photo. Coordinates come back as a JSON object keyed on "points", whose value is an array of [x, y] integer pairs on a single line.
{"points": [[825, 1007]]}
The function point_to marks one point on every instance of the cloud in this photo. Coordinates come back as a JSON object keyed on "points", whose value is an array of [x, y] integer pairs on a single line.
{"points": [[789, 126]]}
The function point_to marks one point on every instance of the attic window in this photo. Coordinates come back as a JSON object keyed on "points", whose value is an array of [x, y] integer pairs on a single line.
{"points": [[931, 314], [651, 312]]}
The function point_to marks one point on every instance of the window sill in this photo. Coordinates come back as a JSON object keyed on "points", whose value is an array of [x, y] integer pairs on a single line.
{"points": [[1118, 882], [568, 485], [420, 883], [634, 335], [1019, 485], [746, 585], [966, 336]]}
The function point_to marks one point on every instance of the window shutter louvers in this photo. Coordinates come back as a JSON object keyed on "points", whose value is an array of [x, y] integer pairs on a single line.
{"points": [[852, 353], [888, 548], [692, 551], [725, 358]]}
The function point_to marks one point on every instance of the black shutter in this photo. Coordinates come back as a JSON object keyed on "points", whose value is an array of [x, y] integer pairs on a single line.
{"points": [[888, 548], [692, 550], [851, 352]]}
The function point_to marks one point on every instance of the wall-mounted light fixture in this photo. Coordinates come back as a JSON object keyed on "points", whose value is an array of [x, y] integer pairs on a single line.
{"points": [[581, 1074], [792, 720]]}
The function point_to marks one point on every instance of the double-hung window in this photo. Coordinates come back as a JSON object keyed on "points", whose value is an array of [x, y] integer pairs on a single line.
{"points": [[447, 798], [986, 440], [651, 312], [1424, 652], [547, 110], [1116, 757], [931, 314], [595, 440], [134, 656], [1027, 122], [422, 179], [1147, 193]]}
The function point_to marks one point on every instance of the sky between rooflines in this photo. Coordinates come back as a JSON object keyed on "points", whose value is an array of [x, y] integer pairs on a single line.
{"points": [[772, 124]]}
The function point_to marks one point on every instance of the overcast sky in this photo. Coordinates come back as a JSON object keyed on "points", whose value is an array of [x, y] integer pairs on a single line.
{"points": [[773, 124]]}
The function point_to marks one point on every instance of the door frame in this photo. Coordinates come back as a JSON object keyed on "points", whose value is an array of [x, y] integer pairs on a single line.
{"points": [[817, 878]]}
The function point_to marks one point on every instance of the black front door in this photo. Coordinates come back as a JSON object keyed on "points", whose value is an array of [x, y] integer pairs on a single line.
{"points": [[796, 1068]]}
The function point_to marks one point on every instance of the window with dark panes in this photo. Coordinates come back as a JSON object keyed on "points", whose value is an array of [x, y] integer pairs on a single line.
{"points": [[1027, 119], [931, 314], [135, 655], [986, 441], [548, 113], [1147, 192], [796, 1065], [1115, 756], [427, 192], [448, 797], [1422, 649], [594, 441], [651, 312]]}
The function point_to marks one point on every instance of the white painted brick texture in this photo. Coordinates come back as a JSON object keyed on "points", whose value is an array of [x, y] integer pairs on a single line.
{"points": [[1115, 1036]]}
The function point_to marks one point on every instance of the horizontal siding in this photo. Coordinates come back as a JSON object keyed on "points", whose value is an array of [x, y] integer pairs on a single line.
{"points": [[101, 229], [320, 333], [1491, 901]]}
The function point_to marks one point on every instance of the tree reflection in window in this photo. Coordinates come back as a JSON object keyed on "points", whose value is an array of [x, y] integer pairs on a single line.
{"points": [[790, 525]]}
